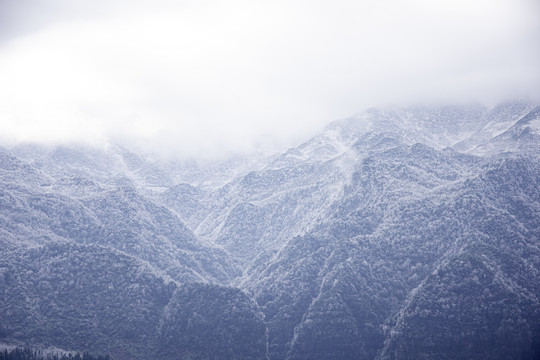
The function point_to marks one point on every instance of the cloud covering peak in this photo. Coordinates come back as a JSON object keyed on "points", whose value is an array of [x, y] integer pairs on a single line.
{"points": [[209, 76]]}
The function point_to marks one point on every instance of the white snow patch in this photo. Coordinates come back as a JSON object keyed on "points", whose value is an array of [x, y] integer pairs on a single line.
{"points": [[534, 125]]}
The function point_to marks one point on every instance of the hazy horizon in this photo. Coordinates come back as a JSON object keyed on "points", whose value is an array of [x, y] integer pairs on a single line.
{"points": [[210, 78]]}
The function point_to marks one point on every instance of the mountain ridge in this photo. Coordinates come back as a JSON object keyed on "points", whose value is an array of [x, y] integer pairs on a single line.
{"points": [[370, 240]]}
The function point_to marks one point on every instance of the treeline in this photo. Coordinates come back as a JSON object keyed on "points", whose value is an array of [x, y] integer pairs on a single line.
{"points": [[29, 354]]}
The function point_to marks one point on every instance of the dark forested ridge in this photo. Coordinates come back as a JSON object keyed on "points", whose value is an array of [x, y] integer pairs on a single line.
{"points": [[29, 354], [406, 233]]}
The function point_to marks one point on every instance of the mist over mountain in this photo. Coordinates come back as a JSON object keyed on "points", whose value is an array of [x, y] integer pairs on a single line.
{"points": [[397, 233]]}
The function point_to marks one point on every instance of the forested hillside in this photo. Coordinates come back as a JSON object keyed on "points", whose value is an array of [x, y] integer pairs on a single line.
{"points": [[399, 233]]}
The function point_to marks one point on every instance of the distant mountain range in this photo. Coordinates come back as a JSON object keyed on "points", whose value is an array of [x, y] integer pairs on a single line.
{"points": [[398, 233]]}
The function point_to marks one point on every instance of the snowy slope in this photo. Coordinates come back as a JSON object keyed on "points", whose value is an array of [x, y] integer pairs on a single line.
{"points": [[523, 136], [397, 233]]}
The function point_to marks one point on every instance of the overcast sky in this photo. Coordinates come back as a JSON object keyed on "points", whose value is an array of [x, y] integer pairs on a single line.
{"points": [[209, 76]]}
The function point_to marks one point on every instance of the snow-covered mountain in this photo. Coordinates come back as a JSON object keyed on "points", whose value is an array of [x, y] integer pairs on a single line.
{"points": [[399, 233]]}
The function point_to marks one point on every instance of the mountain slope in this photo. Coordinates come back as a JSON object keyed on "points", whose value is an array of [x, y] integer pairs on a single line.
{"points": [[336, 291], [523, 136], [397, 233], [97, 299]]}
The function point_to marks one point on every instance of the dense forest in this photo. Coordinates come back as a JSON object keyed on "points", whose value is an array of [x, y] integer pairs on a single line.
{"points": [[397, 234], [25, 353]]}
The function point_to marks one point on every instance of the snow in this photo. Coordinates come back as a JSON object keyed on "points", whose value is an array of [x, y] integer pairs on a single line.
{"points": [[534, 125]]}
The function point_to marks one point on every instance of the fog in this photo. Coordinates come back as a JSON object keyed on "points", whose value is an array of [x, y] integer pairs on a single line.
{"points": [[210, 77]]}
